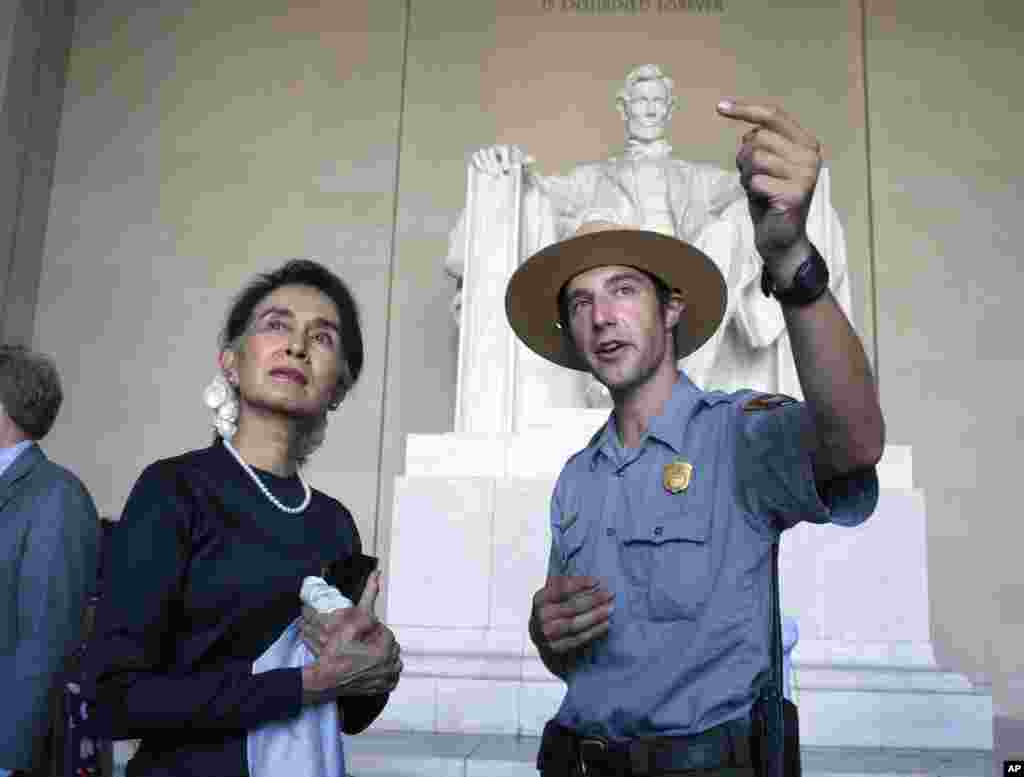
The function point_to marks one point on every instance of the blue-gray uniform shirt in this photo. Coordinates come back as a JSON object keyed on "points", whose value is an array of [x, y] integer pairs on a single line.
{"points": [[690, 570]]}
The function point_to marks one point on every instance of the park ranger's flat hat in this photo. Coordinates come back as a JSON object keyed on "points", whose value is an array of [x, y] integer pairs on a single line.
{"points": [[531, 298]]}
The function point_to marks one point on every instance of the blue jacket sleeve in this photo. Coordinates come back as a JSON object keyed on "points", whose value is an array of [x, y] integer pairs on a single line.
{"points": [[54, 576]]}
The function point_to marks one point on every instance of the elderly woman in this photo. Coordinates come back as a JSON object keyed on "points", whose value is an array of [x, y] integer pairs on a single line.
{"points": [[206, 564]]}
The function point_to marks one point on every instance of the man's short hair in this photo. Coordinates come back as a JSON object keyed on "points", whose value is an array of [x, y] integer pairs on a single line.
{"points": [[645, 73], [30, 389], [661, 290]]}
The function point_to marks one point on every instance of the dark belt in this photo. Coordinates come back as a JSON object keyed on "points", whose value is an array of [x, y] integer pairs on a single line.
{"points": [[726, 745]]}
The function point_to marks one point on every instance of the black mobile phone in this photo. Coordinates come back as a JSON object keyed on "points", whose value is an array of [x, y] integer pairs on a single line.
{"points": [[351, 574]]}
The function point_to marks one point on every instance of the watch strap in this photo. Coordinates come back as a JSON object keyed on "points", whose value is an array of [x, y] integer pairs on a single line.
{"points": [[810, 281]]}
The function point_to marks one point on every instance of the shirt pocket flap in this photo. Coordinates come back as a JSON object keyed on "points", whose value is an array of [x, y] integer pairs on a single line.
{"points": [[572, 535], [672, 526]]}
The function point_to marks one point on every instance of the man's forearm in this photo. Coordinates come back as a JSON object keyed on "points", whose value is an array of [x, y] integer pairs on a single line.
{"points": [[838, 387]]}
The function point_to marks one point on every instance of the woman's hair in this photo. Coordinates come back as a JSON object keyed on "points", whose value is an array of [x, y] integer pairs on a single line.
{"points": [[30, 389], [303, 272]]}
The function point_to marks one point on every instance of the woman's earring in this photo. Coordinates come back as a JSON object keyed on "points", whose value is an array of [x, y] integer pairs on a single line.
{"points": [[219, 396]]}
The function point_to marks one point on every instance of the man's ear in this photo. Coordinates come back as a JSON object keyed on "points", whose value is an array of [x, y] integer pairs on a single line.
{"points": [[671, 108], [620, 103], [674, 309]]}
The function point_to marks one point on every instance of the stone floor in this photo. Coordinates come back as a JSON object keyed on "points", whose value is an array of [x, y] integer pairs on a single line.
{"points": [[460, 755], [403, 754]]}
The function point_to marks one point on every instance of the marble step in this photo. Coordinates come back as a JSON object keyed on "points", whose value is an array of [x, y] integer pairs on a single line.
{"points": [[413, 754]]}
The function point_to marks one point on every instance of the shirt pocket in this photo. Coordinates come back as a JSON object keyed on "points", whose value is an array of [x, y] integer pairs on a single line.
{"points": [[668, 559]]}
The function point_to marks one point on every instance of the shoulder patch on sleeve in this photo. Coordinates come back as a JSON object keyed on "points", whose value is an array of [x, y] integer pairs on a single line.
{"points": [[767, 402]]}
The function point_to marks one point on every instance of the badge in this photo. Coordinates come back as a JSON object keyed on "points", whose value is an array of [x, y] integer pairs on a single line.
{"points": [[767, 402], [677, 476]]}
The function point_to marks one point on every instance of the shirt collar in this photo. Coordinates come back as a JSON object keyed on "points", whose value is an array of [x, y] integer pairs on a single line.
{"points": [[669, 427], [659, 149], [8, 455]]}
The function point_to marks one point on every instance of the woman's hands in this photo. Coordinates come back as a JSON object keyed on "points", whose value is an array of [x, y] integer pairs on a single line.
{"points": [[357, 655]]}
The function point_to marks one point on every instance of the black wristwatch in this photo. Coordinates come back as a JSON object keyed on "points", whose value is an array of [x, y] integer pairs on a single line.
{"points": [[810, 281]]}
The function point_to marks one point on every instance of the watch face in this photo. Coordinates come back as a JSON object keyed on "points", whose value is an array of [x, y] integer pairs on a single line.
{"points": [[809, 283]]}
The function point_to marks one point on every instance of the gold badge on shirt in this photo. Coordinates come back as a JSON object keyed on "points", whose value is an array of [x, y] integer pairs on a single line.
{"points": [[677, 476]]}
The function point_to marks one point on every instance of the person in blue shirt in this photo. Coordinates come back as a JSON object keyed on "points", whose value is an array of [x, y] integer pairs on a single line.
{"points": [[49, 542], [656, 610]]}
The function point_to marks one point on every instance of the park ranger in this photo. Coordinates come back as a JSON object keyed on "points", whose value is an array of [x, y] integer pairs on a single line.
{"points": [[656, 611]]}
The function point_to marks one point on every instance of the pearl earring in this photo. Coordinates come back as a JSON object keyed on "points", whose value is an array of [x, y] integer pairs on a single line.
{"points": [[219, 396]]}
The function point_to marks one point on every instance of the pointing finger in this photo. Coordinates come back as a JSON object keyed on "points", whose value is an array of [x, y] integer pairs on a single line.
{"points": [[770, 117]]}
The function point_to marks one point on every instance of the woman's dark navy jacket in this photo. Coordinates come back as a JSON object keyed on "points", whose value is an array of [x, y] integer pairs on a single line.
{"points": [[201, 576]]}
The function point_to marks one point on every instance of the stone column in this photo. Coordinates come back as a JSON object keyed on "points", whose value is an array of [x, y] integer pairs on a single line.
{"points": [[485, 396], [35, 39]]}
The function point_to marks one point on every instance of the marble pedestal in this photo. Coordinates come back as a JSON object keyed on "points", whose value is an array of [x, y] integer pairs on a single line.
{"points": [[469, 547]]}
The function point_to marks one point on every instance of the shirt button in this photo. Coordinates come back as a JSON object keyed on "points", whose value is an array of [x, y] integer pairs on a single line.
{"points": [[610, 532], [657, 531]]}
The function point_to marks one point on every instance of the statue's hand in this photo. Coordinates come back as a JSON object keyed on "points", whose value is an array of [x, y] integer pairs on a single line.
{"points": [[498, 160], [778, 162]]}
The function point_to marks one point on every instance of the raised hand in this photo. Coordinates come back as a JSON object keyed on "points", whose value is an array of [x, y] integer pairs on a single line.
{"points": [[778, 161]]}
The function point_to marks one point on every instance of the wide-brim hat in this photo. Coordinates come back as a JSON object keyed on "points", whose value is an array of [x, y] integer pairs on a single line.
{"points": [[531, 298]]}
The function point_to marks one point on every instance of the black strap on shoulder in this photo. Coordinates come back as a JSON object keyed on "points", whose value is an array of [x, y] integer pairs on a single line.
{"points": [[776, 622], [774, 736]]}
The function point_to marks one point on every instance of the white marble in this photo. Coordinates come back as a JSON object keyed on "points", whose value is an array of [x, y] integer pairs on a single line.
{"points": [[475, 706], [412, 705], [381, 754], [455, 455], [538, 701], [503, 757], [834, 718], [522, 536], [867, 583], [461, 641], [485, 394], [440, 561]]}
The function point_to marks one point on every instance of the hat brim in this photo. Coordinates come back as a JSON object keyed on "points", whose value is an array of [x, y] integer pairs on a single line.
{"points": [[531, 298]]}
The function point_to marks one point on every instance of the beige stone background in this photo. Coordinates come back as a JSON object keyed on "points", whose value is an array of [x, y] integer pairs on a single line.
{"points": [[201, 142]]}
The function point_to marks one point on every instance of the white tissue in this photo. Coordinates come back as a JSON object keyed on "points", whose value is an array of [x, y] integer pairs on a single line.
{"points": [[321, 596]]}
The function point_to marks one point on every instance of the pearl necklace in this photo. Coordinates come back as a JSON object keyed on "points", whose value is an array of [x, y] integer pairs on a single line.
{"points": [[266, 491]]}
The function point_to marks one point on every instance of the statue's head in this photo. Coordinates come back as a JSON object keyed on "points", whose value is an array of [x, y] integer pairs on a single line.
{"points": [[645, 103]]}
